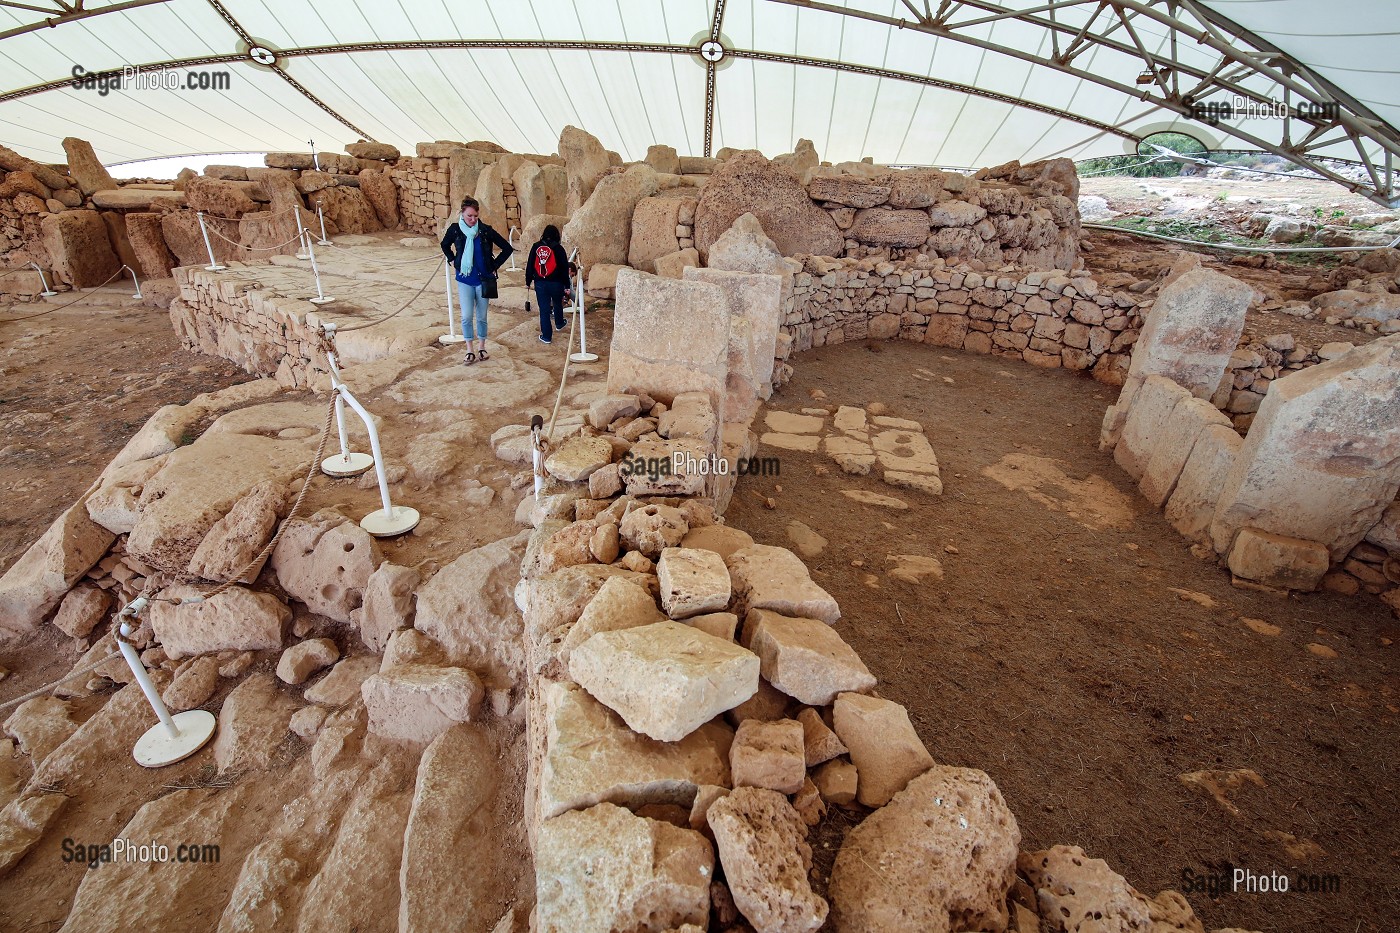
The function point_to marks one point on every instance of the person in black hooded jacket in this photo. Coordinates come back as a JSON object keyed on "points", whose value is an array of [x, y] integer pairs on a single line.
{"points": [[547, 266], [469, 245]]}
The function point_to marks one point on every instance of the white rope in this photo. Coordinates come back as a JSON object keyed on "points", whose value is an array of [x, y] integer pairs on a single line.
{"points": [[255, 249], [1242, 249]]}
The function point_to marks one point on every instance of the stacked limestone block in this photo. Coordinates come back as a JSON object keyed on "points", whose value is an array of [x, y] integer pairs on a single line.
{"points": [[265, 333], [512, 188]]}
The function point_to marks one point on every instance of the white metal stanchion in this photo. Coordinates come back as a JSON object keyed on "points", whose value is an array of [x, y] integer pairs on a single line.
{"points": [[347, 462], [510, 238], [451, 336], [302, 237], [321, 297], [537, 454], [174, 738], [49, 292], [582, 356], [134, 280], [578, 292], [322, 217], [392, 519], [315, 160], [213, 263]]}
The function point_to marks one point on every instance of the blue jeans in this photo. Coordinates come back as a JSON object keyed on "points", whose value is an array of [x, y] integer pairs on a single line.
{"points": [[551, 298], [473, 305]]}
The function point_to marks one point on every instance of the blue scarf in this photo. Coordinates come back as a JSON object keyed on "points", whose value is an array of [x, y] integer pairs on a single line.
{"points": [[469, 247]]}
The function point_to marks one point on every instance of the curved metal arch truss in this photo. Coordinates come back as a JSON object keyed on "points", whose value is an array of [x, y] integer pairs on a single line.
{"points": [[1241, 65]]}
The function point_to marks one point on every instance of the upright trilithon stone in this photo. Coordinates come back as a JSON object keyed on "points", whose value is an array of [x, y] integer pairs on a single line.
{"points": [[490, 195], [1322, 459], [585, 160], [652, 355], [755, 309], [1189, 335], [85, 168]]}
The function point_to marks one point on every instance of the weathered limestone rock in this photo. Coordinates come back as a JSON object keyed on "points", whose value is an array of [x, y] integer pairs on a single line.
{"points": [[620, 604], [1086, 894], [1193, 327], [383, 152], [1191, 507], [193, 685], [578, 457], [341, 686], [469, 609], [649, 356], [1386, 532], [885, 227], [884, 746], [84, 167], [604, 869], [222, 198], [388, 604], [837, 781], [819, 743], [464, 167], [601, 228], [237, 619], [530, 194], [40, 725], [748, 180], [346, 208], [692, 582], [952, 839], [79, 250], [604, 411], [305, 658], [905, 451], [763, 847], [804, 658], [1321, 461], [666, 679], [1151, 411], [234, 540], [767, 577], [849, 190], [769, 754], [23, 821], [673, 265], [663, 159], [722, 539], [382, 195], [585, 160], [592, 757], [918, 188], [1164, 465], [253, 721], [653, 528], [755, 309], [419, 702], [81, 610], [1278, 560], [654, 223], [457, 784], [148, 243], [326, 563]]}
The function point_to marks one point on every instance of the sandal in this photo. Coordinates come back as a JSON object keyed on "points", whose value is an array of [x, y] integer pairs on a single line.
{"points": [[483, 354], [471, 358]]}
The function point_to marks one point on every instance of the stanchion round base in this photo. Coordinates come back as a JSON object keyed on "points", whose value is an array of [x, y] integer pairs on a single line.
{"points": [[215, 268], [324, 299], [303, 256], [570, 310], [383, 525], [47, 294], [323, 243], [583, 357], [448, 340], [341, 465], [158, 748]]}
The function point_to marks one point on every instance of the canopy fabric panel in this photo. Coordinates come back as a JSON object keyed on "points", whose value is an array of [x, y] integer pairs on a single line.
{"points": [[957, 83]]}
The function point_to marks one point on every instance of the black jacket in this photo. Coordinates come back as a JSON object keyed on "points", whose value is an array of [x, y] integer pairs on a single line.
{"points": [[562, 267], [453, 240]]}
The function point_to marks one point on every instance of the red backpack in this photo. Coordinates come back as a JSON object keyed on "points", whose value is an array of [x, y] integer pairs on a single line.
{"points": [[544, 260]]}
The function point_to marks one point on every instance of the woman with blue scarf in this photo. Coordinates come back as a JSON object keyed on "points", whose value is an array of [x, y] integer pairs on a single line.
{"points": [[470, 246]]}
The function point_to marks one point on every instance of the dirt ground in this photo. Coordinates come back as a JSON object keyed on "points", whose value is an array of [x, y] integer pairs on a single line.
{"points": [[1076, 651], [1228, 197]]}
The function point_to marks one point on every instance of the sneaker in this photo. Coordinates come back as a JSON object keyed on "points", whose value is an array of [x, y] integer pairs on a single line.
{"points": [[544, 339]]}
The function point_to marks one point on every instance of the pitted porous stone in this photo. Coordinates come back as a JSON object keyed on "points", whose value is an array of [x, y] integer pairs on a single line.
{"points": [[804, 658], [767, 577], [1190, 332], [467, 607], [604, 869], [305, 658], [693, 581], [659, 467], [905, 451], [852, 455], [884, 746], [762, 844], [666, 679], [653, 528], [326, 563], [951, 840], [769, 754], [1085, 894], [592, 757], [620, 604], [819, 743], [577, 458]]}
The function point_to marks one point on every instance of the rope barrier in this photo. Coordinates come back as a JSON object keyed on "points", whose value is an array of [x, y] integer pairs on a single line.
{"points": [[47, 688], [86, 294], [431, 276], [255, 249], [1235, 247]]}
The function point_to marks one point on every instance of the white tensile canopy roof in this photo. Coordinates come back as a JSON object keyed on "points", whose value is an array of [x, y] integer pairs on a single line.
{"points": [[943, 82]]}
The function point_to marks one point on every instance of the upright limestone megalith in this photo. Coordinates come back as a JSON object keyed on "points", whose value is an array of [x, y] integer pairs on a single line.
{"points": [[669, 337], [1322, 459]]}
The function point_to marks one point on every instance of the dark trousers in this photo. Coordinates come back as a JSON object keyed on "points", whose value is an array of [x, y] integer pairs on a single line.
{"points": [[551, 299]]}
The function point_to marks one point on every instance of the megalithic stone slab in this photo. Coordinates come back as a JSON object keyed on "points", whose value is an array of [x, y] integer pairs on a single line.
{"points": [[1152, 407], [1192, 504], [669, 337], [1322, 459], [1190, 417]]}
